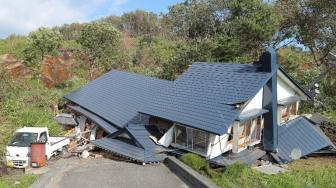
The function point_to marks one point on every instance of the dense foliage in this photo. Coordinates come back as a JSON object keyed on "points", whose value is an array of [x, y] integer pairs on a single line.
{"points": [[40, 43], [98, 39], [311, 23]]}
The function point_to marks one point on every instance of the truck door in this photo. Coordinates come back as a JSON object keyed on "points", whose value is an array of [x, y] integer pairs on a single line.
{"points": [[44, 139]]}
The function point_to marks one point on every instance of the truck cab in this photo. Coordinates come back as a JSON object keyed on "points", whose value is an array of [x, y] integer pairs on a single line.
{"points": [[18, 149]]}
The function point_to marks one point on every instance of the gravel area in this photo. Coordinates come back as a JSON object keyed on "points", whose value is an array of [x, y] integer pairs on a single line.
{"points": [[73, 173]]}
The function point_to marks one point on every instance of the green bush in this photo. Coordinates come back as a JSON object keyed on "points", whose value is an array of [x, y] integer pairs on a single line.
{"points": [[194, 161], [22, 181]]}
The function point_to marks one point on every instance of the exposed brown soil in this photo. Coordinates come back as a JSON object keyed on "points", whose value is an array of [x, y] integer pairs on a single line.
{"points": [[56, 70], [14, 67]]}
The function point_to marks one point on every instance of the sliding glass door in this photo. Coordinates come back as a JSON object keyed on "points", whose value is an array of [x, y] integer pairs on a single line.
{"points": [[191, 139]]}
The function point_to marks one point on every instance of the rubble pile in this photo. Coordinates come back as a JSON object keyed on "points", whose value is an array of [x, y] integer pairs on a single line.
{"points": [[80, 130], [14, 67]]}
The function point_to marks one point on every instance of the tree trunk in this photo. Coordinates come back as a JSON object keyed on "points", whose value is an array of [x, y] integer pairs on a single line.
{"points": [[91, 70]]}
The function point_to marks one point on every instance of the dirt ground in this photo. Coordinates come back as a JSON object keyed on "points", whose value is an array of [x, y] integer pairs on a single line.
{"points": [[314, 163], [74, 172]]}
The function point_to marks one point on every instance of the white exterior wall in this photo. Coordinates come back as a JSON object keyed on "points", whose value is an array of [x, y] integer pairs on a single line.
{"points": [[218, 145], [256, 102], [284, 90]]}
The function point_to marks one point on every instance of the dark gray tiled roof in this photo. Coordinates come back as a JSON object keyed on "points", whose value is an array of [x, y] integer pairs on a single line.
{"points": [[300, 136], [128, 150], [250, 114], [204, 96], [94, 118], [121, 148], [141, 135], [117, 96], [289, 100]]}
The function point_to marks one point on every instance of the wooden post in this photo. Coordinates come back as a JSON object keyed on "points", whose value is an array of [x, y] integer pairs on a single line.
{"points": [[235, 137]]}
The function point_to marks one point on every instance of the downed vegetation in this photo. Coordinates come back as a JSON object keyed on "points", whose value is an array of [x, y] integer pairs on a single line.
{"points": [[312, 172]]}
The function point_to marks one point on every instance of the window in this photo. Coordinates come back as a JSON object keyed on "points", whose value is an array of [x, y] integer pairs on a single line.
{"points": [[247, 133], [286, 112], [200, 141], [43, 137], [245, 128], [181, 135], [191, 139], [21, 139]]}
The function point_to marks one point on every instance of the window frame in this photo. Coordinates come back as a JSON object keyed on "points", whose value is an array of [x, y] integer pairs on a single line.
{"points": [[190, 140]]}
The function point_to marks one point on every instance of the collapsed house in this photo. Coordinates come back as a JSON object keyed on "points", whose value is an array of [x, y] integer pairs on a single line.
{"points": [[221, 111]]}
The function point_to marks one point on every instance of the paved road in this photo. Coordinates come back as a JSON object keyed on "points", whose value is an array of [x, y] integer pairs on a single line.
{"points": [[81, 173]]}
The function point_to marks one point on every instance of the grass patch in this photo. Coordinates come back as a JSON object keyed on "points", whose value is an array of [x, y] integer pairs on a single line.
{"points": [[331, 115], [17, 181], [194, 161], [314, 172], [28, 102]]}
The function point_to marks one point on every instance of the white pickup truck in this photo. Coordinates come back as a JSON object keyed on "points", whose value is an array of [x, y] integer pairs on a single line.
{"points": [[18, 149]]}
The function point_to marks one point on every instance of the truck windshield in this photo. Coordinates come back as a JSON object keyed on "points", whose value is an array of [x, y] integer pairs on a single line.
{"points": [[23, 139]]}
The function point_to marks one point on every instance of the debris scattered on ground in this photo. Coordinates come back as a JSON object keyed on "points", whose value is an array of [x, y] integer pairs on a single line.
{"points": [[270, 169], [264, 163], [80, 130], [85, 154], [316, 118], [56, 70], [65, 119], [14, 67]]}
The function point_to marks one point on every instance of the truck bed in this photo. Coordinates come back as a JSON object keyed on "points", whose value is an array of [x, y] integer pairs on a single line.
{"points": [[56, 144], [56, 139]]}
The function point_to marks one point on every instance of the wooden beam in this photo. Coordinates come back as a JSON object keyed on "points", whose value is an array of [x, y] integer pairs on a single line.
{"points": [[235, 137]]}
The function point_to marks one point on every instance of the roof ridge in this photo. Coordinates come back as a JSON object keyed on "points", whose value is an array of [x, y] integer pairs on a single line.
{"points": [[135, 74]]}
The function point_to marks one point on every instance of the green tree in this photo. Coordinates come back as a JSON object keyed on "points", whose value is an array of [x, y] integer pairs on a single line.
{"points": [[69, 31], [192, 19], [138, 23], [217, 31], [223, 30], [310, 23], [42, 42], [98, 39]]}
